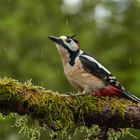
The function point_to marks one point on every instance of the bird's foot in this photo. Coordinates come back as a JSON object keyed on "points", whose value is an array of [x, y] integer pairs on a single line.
{"points": [[80, 94], [77, 95], [67, 94]]}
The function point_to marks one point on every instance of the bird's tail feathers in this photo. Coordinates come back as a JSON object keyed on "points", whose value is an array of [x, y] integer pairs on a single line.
{"points": [[131, 97]]}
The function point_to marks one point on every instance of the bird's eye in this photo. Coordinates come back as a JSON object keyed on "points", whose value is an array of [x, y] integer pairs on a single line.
{"points": [[68, 40]]}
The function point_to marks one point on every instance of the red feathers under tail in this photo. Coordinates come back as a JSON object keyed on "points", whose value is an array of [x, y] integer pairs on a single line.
{"points": [[108, 91], [112, 91]]}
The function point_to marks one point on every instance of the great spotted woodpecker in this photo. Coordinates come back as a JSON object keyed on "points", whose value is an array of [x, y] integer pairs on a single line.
{"points": [[87, 74]]}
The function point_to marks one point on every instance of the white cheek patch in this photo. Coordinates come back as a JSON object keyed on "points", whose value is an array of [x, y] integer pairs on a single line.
{"points": [[73, 46]]}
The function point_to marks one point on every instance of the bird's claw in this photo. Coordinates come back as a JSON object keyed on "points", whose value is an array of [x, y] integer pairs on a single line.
{"points": [[78, 96]]}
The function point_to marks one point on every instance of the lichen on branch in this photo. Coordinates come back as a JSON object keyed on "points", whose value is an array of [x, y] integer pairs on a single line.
{"points": [[67, 113]]}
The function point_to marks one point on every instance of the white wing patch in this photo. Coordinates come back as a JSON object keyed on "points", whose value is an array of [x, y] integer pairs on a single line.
{"points": [[72, 45], [95, 61]]}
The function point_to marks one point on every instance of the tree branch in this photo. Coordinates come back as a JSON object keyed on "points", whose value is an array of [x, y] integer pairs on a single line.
{"points": [[59, 112]]}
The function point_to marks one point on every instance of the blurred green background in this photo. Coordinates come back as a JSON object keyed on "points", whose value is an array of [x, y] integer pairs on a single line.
{"points": [[108, 29]]}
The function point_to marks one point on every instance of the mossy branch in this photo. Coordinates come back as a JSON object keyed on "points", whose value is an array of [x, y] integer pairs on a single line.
{"points": [[60, 112]]}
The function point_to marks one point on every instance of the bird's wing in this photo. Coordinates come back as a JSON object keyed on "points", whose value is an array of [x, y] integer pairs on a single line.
{"points": [[94, 67]]}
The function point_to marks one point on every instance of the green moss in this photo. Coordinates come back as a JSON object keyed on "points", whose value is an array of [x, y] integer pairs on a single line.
{"points": [[48, 108], [89, 132], [91, 103], [115, 134]]}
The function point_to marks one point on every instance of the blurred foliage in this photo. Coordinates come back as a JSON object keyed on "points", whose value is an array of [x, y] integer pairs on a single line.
{"points": [[108, 29]]}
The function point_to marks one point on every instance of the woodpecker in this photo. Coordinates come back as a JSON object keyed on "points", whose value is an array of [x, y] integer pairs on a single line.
{"points": [[85, 73]]}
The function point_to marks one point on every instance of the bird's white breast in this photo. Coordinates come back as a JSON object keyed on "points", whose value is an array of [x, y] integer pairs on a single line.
{"points": [[79, 78]]}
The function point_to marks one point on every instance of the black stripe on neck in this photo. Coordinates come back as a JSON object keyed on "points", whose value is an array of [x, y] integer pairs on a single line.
{"points": [[72, 57], [73, 54]]}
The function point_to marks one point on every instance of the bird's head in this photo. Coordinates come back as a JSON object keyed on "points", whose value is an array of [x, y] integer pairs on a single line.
{"points": [[66, 45]]}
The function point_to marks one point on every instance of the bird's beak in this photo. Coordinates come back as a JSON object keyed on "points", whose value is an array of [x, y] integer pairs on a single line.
{"points": [[55, 39]]}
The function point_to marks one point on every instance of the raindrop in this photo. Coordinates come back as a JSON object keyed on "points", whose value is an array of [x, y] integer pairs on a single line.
{"points": [[41, 54], [67, 22], [38, 20], [130, 61], [31, 23]]}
